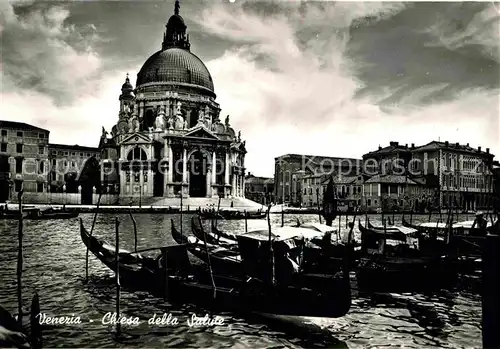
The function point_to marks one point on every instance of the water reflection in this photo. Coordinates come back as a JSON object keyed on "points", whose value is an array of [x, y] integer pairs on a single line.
{"points": [[55, 267]]}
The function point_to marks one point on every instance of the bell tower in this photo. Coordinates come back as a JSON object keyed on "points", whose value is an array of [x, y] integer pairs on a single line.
{"points": [[127, 97]]}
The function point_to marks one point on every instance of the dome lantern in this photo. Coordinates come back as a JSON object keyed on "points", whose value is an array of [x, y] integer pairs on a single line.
{"points": [[175, 35]]}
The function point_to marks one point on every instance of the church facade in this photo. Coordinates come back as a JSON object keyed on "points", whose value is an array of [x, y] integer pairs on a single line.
{"points": [[169, 139]]}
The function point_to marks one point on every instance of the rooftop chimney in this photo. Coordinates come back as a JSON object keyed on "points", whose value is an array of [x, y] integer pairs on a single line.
{"points": [[467, 144], [393, 144], [487, 150], [379, 147], [446, 143], [479, 149], [413, 146], [406, 145]]}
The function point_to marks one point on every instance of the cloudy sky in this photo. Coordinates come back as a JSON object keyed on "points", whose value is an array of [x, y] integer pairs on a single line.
{"points": [[322, 78]]}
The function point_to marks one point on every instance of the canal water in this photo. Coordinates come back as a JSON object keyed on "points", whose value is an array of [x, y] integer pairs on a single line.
{"points": [[54, 266]]}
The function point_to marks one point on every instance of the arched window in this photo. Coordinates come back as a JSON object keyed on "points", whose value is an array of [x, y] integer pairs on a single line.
{"points": [[137, 154]]}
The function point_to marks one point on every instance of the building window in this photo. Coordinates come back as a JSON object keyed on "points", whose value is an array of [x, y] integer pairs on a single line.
{"points": [[53, 175], [4, 132], [66, 153], [41, 135], [18, 185], [81, 154], [88, 155], [3, 147], [19, 148], [73, 164], [53, 162], [41, 167], [39, 187], [19, 133], [73, 154], [54, 152], [19, 165], [41, 149], [137, 154]]}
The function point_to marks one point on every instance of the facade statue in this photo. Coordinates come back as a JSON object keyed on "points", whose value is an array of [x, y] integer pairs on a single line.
{"points": [[227, 121], [208, 119], [185, 125], [239, 136], [159, 122], [178, 109], [179, 122], [201, 117], [133, 124], [179, 119], [104, 133], [170, 123]]}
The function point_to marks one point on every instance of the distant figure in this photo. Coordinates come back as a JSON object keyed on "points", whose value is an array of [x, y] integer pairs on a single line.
{"points": [[232, 203], [480, 222]]}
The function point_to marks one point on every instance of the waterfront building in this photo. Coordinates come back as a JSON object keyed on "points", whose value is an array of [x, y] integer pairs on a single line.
{"points": [[289, 170], [67, 163], [24, 155], [387, 160], [397, 193], [444, 173], [348, 190], [169, 136], [462, 173], [259, 189]]}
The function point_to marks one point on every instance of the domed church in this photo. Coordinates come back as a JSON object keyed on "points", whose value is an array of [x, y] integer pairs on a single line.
{"points": [[169, 139]]}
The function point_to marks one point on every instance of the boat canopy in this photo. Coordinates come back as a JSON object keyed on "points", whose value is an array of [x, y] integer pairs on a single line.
{"points": [[285, 233]]}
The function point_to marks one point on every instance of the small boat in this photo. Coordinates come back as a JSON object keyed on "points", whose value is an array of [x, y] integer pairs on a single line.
{"points": [[49, 213], [184, 283], [231, 214], [211, 238], [393, 262], [222, 260]]}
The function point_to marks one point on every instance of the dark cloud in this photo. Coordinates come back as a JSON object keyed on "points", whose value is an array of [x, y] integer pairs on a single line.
{"points": [[403, 55]]}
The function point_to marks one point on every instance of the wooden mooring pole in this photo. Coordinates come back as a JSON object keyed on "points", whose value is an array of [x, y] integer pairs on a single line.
{"points": [[491, 292], [282, 215], [117, 275], [91, 231], [165, 274], [246, 222], [20, 261], [135, 230]]}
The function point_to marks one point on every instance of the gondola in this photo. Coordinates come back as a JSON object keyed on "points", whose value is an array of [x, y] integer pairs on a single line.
{"points": [[252, 263], [231, 214], [369, 225], [222, 260], [400, 267], [322, 252], [50, 213], [209, 237], [184, 283]]}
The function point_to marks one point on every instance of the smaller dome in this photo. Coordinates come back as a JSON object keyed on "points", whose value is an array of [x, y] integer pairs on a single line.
{"points": [[127, 85], [176, 21]]}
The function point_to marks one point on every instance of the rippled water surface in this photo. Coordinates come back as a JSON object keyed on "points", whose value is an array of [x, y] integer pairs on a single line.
{"points": [[54, 265]]}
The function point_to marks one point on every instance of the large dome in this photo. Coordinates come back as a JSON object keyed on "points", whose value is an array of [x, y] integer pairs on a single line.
{"points": [[175, 65]]}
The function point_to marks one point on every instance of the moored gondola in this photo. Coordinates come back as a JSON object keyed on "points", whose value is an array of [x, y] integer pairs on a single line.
{"points": [[199, 231], [188, 284], [393, 262], [231, 214]]}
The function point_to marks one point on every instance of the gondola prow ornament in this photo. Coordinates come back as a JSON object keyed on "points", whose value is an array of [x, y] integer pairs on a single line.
{"points": [[330, 203]]}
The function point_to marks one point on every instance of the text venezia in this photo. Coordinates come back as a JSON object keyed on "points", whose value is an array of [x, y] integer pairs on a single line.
{"points": [[165, 319]]}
